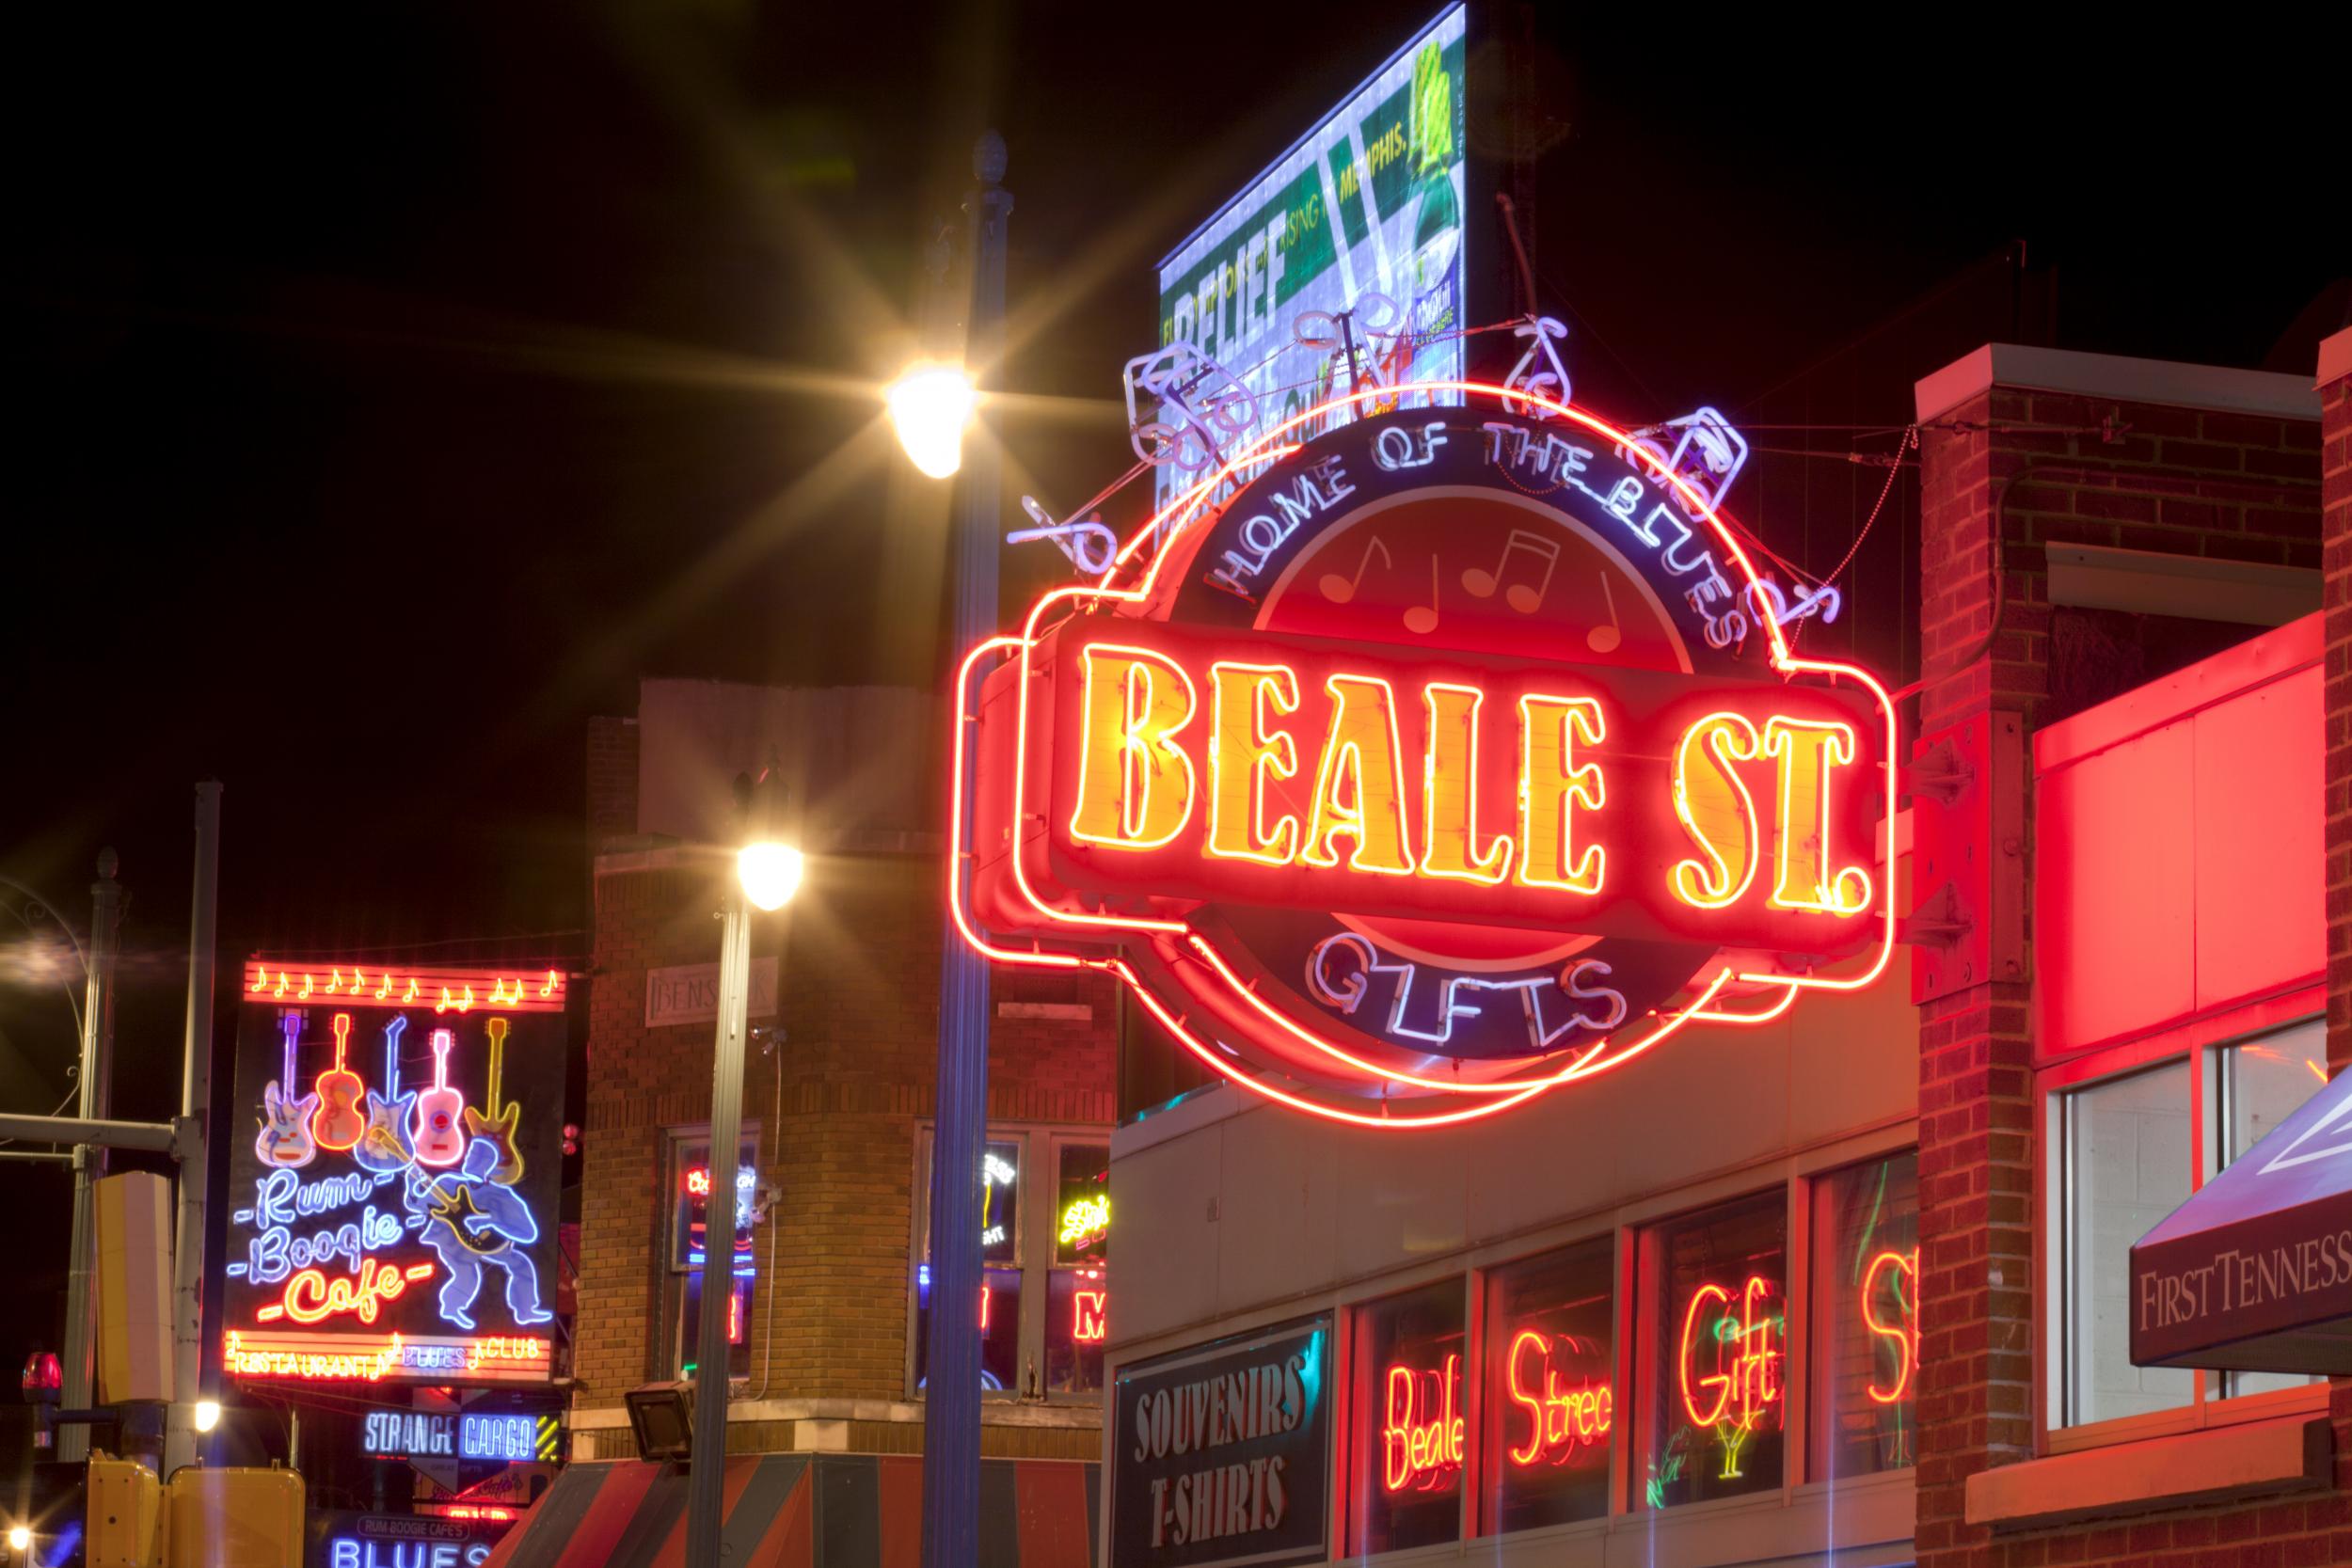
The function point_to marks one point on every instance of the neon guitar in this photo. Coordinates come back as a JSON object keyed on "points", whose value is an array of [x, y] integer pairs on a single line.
{"points": [[498, 1127], [338, 1123], [384, 1144], [435, 1132], [285, 1135]]}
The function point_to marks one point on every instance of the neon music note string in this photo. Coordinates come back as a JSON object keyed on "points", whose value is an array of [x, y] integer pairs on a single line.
{"points": [[1341, 589], [1523, 596]]}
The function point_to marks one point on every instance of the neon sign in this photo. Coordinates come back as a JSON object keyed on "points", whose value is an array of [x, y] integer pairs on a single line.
{"points": [[1090, 1315], [1422, 1430], [1741, 1341], [368, 1214], [1566, 1421], [1465, 733], [291, 982], [1891, 1278], [1085, 1221]]}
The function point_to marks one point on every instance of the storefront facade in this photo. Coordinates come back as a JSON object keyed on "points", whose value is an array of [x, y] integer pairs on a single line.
{"points": [[830, 1249], [1850, 1284]]}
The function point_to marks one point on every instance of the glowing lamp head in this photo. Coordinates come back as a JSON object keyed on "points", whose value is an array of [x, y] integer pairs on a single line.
{"points": [[770, 874], [20, 1539], [929, 407], [207, 1414]]}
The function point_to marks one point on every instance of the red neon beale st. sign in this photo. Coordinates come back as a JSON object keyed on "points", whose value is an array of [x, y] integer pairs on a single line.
{"points": [[1410, 769], [1177, 769]]}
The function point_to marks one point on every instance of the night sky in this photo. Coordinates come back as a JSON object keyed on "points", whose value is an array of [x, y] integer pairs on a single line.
{"points": [[394, 384]]}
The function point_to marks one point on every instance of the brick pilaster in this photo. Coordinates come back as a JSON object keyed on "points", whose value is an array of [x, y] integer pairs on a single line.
{"points": [[2335, 434], [2003, 476]]}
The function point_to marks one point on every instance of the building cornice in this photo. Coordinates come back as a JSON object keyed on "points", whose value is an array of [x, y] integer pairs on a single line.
{"points": [[2117, 376]]}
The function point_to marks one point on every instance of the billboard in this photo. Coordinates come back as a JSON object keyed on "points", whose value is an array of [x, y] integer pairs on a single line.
{"points": [[392, 1202], [1361, 219]]}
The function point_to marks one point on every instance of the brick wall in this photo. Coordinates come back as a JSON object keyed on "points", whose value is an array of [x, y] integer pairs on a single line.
{"points": [[2335, 423], [2185, 481], [837, 1103], [612, 780]]}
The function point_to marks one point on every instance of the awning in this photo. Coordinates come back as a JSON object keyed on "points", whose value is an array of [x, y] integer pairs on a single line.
{"points": [[2254, 1272], [802, 1510]]}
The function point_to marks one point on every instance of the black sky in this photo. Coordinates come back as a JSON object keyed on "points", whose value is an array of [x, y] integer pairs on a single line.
{"points": [[396, 382]]}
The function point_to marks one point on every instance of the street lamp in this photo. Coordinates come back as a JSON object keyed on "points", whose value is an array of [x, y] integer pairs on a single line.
{"points": [[207, 1414], [766, 873], [930, 406]]}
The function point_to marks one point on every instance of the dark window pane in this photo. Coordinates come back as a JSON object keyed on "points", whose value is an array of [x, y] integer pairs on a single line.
{"points": [[1550, 1406], [1865, 1318], [1082, 1204], [999, 1313], [738, 1328], [1409, 1441], [1078, 1319], [1720, 1339]]}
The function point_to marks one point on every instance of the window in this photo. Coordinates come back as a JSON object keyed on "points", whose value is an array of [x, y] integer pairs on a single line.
{"points": [[1549, 1407], [691, 1187], [1410, 1370], [1715, 1294], [2132, 1139], [1865, 1307], [2264, 1082], [1044, 1307]]}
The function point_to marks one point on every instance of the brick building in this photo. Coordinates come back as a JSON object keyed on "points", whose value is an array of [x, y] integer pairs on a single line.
{"points": [[839, 1090], [2132, 704]]}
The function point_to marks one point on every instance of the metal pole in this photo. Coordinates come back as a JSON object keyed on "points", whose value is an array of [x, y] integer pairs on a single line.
{"points": [[951, 1407], [89, 1160], [704, 1482], [196, 1098]]}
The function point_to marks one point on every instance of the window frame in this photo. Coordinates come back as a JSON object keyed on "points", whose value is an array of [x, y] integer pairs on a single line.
{"points": [[1796, 1174], [670, 1348], [2200, 1043], [1035, 1228]]}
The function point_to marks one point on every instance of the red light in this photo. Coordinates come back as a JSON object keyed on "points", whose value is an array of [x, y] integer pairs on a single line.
{"points": [[1563, 1420], [1901, 1271], [1422, 1437], [43, 1374], [1739, 1396], [1806, 878], [1090, 1315], [698, 1181]]}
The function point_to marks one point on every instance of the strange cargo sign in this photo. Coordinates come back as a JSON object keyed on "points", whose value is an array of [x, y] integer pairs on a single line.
{"points": [[1222, 1454], [1461, 756], [392, 1191]]}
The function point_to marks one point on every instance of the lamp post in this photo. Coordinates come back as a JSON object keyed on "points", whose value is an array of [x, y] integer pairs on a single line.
{"points": [[930, 406], [767, 873]]}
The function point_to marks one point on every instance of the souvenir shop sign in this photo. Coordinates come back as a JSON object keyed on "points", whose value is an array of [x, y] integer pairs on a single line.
{"points": [[394, 1179], [1460, 756], [1222, 1454]]}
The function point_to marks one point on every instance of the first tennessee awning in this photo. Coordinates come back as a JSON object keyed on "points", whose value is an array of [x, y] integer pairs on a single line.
{"points": [[2254, 1272], [799, 1511]]}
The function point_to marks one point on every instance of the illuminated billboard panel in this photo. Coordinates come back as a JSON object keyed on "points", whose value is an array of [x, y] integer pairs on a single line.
{"points": [[1362, 219], [392, 1199]]}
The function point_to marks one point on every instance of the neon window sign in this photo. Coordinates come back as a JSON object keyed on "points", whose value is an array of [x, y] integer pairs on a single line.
{"points": [[1409, 1440], [1549, 1408], [391, 1216], [1864, 1334], [1501, 687], [1723, 1352]]}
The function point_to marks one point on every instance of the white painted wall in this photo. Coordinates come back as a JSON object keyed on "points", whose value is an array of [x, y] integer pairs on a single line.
{"points": [[1228, 1206]]}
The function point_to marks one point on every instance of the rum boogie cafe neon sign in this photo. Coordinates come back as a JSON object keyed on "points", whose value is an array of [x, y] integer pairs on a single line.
{"points": [[1457, 756]]}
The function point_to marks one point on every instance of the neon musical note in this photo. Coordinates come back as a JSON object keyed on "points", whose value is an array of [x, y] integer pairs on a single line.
{"points": [[1522, 596], [1604, 640], [1421, 620], [549, 990], [1341, 589]]}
